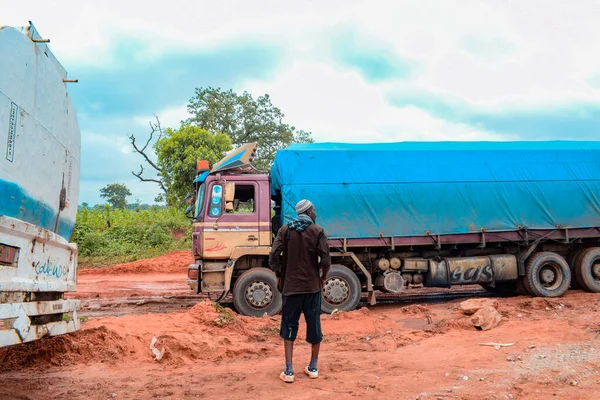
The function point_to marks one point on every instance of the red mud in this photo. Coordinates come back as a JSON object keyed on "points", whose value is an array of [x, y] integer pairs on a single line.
{"points": [[174, 262], [424, 351]]}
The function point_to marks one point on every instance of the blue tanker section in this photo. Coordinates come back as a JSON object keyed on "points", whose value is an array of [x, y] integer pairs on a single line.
{"points": [[406, 189], [16, 203]]}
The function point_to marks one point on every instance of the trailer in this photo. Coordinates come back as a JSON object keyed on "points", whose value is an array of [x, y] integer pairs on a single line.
{"points": [[39, 187], [509, 216]]}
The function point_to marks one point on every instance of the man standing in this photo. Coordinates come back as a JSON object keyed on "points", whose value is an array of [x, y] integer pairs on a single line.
{"points": [[299, 253]]}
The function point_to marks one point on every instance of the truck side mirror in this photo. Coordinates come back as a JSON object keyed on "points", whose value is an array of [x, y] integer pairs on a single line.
{"points": [[188, 210]]}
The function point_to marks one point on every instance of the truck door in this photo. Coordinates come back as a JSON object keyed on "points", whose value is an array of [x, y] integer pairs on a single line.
{"points": [[232, 218]]}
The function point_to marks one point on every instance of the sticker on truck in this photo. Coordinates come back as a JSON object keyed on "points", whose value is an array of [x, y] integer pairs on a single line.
{"points": [[12, 132]]}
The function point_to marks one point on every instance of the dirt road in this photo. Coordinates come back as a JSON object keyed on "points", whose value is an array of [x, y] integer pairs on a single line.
{"points": [[400, 351]]}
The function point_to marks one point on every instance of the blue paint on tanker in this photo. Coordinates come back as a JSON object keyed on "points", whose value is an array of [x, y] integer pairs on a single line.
{"points": [[16, 203], [405, 189]]}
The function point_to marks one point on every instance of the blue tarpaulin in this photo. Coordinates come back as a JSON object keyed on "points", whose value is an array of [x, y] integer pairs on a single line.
{"points": [[406, 189]]}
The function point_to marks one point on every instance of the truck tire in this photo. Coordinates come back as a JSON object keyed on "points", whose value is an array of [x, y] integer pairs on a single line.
{"points": [[587, 270], [547, 274], [341, 290], [255, 293], [573, 260]]}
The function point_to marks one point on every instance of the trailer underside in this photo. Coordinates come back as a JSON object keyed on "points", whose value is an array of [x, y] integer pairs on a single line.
{"points": [[482, 239]]}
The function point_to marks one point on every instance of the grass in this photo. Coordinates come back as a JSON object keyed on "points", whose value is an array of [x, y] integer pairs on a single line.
{"points": [[67, 318]]}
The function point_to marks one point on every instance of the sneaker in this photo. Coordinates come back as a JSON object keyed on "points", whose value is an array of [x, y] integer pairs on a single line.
{"points": [[312, 373], [287, 378]]}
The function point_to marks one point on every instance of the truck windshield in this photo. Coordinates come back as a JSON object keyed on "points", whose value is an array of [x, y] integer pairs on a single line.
{"points": [[200, 199]]}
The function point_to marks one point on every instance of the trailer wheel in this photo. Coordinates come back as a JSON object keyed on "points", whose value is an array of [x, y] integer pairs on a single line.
{"points": [[574, 259], [255, 293], [547, 274], [341, 290], [587, 270]]}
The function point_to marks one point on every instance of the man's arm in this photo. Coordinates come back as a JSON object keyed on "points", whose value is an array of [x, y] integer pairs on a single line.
{"points": [[323, 253], [275, 255]]}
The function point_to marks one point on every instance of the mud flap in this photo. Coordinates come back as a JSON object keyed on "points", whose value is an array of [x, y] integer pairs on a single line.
{"points": [[228, 274], [371, 299]]}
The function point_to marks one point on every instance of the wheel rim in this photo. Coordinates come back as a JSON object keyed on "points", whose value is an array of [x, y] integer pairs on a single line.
{"points": [[551, 276], [259, 294], [596, 269], [336, 291]]}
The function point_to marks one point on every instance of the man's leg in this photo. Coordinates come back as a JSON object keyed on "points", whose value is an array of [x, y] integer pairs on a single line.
{"points": [[288, 346], [314, 336], [290, 316], [315, 351]]}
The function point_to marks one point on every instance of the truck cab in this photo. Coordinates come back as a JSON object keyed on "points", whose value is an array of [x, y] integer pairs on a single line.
{"points": [[232, 233]]}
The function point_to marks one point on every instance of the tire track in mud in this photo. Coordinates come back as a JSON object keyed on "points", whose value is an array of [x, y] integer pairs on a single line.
{"points": [[163, 304]]}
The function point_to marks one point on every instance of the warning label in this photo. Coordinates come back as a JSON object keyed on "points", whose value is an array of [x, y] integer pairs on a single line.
{"points": [[12, 132]]}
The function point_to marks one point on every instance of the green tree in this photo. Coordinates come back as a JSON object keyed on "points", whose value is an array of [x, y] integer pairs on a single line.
{"points": [[245, 119], [116, 195], [177, 152]]}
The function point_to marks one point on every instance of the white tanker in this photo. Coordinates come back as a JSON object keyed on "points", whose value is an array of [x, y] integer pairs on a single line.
{"points": [[39, 187]]}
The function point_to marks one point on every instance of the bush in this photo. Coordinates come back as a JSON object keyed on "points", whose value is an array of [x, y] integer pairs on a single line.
{"points": [[106, 236]]}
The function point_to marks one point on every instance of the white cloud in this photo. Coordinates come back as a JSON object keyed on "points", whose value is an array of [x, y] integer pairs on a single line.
{"points": [[494, 56], [85, 32], [339, 105], [170, 117], [530, 53], [108, 159]]}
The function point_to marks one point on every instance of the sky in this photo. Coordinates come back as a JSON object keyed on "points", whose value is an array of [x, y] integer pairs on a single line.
{"points": [[349, 71]]}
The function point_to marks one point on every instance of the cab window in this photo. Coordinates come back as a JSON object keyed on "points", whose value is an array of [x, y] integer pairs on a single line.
{"points": [[244, 200], [200, 199]]}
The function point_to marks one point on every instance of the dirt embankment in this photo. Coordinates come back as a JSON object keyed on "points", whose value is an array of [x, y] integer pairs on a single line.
{"points": [[205, 332], [174, 262]]}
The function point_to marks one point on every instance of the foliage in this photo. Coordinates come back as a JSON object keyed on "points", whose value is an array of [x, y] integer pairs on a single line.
{"points": [[245, 119], [215, 115], [127, 235], [178, 151], [130, 206], [116, 194], [225, 317]]}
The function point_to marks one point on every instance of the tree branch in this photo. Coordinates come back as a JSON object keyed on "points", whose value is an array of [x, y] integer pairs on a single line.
{"points": [[141, 178], [153, 129]]}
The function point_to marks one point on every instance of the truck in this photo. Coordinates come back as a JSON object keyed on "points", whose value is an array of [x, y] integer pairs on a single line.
{"points": [[509, 216], [39, 187]]}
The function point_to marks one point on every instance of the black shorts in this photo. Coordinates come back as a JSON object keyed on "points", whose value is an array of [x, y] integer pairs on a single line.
{"points": [[310, 306]]}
